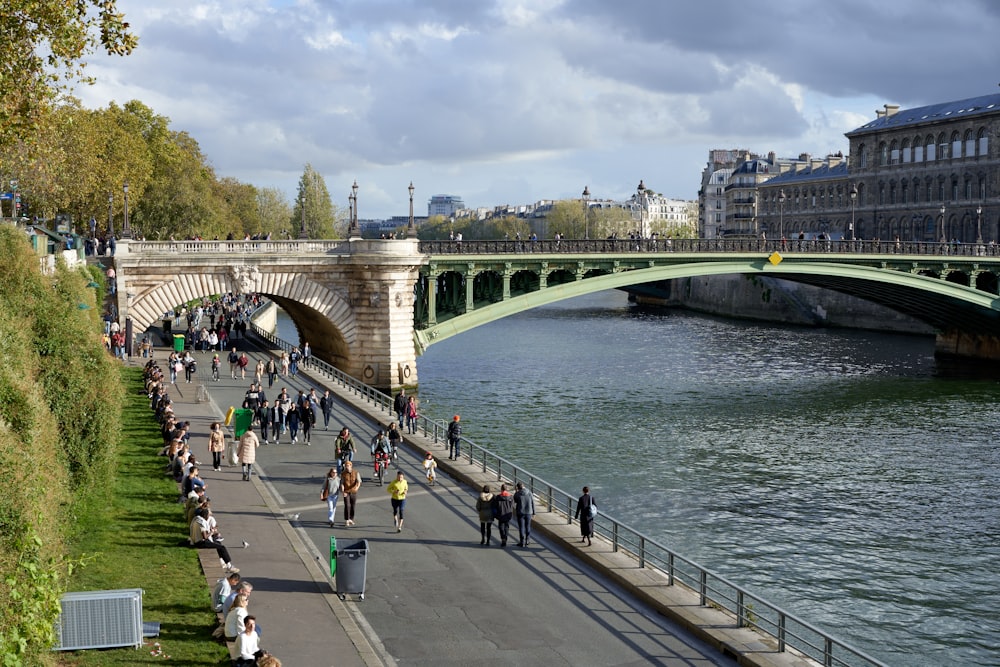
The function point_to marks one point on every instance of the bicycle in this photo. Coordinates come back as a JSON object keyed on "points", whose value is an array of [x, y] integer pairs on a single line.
{"points": [[381, 463]]}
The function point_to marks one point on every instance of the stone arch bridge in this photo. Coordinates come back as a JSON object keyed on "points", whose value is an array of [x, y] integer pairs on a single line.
{"points": [[369, 307]]}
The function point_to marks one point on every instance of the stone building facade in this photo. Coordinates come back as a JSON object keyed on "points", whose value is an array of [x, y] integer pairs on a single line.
{"points": [[922, 174]]}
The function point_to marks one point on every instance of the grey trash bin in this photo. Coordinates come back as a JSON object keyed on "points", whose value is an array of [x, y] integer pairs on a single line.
{"points": [[351, 565]]}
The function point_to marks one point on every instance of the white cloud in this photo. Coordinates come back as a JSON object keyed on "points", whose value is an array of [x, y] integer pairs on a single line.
{"points": [[515, 100]]}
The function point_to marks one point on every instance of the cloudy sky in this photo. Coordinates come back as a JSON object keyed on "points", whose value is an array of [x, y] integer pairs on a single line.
{"points": [[512, 101]]}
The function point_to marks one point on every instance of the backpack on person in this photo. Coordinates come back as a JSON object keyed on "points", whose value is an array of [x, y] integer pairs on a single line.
{"points": [[504, 505]]}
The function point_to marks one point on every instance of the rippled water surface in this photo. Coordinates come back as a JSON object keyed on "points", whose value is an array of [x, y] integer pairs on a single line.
{"points": [[841, 475]]}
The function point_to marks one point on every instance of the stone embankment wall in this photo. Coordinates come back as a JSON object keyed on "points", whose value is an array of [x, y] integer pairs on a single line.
{"points": [[770, 299]]}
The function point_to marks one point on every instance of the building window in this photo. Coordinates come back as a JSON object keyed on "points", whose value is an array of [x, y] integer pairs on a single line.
{"points": [[970, 144], [931, 151], [982, 189], [862, 156], [893, 153], [918, 153], [881, 195], [907, 154], [983, 143], [905, 193], [956, 145], [954, 190], [883, 154]]}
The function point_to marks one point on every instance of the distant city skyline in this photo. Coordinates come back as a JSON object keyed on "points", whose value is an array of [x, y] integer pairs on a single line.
{"points": [[509, 101]]}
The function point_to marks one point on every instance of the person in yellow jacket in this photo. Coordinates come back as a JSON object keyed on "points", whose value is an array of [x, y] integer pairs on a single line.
{"points": [[397, 489]]}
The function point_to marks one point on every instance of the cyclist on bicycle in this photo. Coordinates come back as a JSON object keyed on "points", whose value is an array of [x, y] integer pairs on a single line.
{"points": [[380, 443], [344, 448]]}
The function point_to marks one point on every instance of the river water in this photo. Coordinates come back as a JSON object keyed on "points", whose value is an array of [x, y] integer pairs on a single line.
{"points": [[842, 475]]}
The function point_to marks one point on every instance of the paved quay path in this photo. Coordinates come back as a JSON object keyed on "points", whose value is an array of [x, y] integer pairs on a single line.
{"points": [[432, 592]]}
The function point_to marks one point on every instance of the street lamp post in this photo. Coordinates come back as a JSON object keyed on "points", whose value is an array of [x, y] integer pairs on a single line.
{"points": [[854, 201], [979, 224], [302, 212], [126, 230], [586, 212], [111, 220], [409, 225], [354, 230], [944, 237], [781, 214]]}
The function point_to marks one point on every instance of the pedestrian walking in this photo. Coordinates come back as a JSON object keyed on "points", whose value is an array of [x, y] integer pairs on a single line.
{"points": [[454, 438], [272, 372], [524, 509], [350, 482], [503, 510], [216, 445], [331, 494], [430, 468], [411, 415], [399, 406], [326, 407], [397, 490], [484, 506], [263, 414], [247, 452], [586, 512], [306, 419], [292, 419]]}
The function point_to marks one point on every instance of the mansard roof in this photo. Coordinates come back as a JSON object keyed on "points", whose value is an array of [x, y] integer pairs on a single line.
{"points": [[755, 167], [973, 106], [824, 171]]}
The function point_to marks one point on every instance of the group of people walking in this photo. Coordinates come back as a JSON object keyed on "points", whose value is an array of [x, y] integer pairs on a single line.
{"points": [[502, 507]]}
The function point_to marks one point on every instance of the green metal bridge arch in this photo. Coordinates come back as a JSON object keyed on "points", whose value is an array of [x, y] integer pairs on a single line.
{"points": [[950, 293]]}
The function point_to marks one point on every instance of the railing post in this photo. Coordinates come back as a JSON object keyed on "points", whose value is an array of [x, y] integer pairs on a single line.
{"points": [[642, 552], [614, 536], [741, 610], [702, 587]]}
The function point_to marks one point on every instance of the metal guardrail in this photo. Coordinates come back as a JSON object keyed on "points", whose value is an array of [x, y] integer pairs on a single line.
{"points": [[609, 246], [724, 245], [749, 610]]}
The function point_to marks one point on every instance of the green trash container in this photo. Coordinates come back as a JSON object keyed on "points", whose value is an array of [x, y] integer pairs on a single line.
{"points": [[178, 342], [242, 419], [333, 556]]}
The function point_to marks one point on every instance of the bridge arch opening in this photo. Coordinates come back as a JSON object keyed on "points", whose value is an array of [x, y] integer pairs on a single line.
{"points": [[987, 282]]}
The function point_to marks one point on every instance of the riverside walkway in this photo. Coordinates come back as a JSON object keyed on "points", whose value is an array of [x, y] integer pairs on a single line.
{"points": [[432, 592]]}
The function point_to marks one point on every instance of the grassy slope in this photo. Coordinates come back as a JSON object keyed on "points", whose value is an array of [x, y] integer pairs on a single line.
{"points": [[132, 541]]}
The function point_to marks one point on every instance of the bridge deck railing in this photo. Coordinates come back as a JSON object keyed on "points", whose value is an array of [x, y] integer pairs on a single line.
{"points": [[609, 246], [749, 610], [723, 245]]}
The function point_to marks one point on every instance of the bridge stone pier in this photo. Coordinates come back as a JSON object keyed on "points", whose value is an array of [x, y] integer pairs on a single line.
{"points": [[352, 300]]}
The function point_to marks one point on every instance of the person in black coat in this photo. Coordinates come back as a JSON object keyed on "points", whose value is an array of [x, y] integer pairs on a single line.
{"points": [[586, 515]]}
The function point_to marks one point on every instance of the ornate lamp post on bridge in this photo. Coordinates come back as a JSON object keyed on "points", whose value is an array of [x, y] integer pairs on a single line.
{"points": [[353, 229], [979, 224], [302, 212], [111, 220], [781, 213], [126, 230], [586, 212], [944, 238], [854, 200], [409, 225]]}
